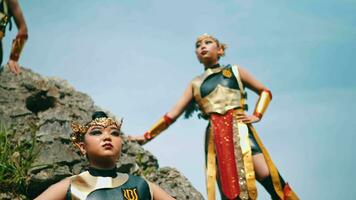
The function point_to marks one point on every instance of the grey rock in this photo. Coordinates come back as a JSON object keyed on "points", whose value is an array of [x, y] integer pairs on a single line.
{"points": [[44, 107]]}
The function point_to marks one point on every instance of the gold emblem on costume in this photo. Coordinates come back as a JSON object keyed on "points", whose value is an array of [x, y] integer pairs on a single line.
{"points": [[130, 194], [227, 73]]}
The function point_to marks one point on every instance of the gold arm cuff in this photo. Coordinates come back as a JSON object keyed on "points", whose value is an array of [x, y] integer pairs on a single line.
{"points": [[160, 126], [17, 45], [262, 103]]}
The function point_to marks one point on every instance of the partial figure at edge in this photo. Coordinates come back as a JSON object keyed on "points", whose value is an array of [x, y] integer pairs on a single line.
{"points": [[9, 9]]}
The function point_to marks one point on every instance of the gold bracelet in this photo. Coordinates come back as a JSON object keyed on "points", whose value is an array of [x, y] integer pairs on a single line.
{"points": [[160, 126], [262, 103], [17, 45]]}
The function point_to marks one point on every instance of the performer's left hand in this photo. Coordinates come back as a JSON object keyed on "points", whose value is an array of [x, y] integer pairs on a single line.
{"points": [[248, 119], [14, 67]]}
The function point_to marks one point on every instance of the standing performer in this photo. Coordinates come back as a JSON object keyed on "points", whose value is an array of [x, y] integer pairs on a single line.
{"points": [[231, 141], [100, 141], [8, 9]]}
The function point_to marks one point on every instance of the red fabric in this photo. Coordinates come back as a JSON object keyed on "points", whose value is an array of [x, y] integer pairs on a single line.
{"points": [[223, 137], [147, 136], [167, 119], [257, 114], [286, 191]]}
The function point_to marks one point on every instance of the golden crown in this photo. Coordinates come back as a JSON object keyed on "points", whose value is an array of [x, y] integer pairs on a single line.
{"points": [[80, 130]]}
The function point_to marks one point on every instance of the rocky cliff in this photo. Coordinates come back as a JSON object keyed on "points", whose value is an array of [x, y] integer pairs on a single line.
{"points": [[42, 108]]}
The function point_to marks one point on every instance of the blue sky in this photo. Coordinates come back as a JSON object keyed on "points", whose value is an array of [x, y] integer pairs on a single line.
{"points": [[135, 58]]}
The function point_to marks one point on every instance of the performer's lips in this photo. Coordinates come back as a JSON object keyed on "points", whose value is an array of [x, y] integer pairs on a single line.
{"points": [[204, 52], [108, 146]]}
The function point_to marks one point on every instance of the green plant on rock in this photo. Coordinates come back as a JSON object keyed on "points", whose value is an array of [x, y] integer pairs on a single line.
{"points": [[16, 158]]}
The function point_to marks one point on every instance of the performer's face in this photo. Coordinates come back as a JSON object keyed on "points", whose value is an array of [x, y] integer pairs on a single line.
{"points": [[208, 51], [102, 143]]}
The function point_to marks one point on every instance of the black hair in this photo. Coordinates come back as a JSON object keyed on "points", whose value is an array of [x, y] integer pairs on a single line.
{"points": [[98, 114]]}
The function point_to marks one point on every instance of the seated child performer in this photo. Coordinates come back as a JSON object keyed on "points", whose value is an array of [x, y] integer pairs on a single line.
{"points": [[100, 141]]}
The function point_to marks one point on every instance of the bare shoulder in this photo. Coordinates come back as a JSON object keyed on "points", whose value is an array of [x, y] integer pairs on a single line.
{"points": [[250, 81], [159, 193], [243, 72], [58, 190], [13, 2]]}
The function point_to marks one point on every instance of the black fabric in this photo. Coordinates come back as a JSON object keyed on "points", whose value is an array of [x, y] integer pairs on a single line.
{"points": [[135, 185], [7, 17], [69, 194], [99, 114], [103, 172], [212, 81], [268, 185], [214, 66], [190, 109], [254, 146]]}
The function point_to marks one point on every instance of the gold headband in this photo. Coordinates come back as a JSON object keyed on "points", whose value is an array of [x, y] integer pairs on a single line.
{"points": [[205, 36], [80, 130]]}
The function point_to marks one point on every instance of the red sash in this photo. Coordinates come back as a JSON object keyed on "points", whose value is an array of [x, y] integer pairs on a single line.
{"points": [[224, 143]]}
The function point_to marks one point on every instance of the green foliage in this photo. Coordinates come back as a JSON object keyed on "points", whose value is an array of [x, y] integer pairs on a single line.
{"points": [[16, 158]]}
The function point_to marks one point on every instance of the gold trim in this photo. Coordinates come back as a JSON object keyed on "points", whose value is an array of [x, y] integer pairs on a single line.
{"points": [[227, 73], [197, 81], [221, 100], [157, 128], [83, 184], [238, 142], [80, 130], [247, 158], [211, 166], [262, 103], [272, 168]]}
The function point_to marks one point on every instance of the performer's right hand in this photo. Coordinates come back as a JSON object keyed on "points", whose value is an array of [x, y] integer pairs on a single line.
{"points": [[14, 67], [140, 139]]}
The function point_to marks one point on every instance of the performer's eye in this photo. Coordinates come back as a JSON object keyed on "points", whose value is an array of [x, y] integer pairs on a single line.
{"points": [[197, 45], [208, 42], [95, 132], [115, 133]]}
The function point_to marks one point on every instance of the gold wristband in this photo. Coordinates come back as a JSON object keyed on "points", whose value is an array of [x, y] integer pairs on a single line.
{"points": [[17, 45], [160, 126], [262, 103]]}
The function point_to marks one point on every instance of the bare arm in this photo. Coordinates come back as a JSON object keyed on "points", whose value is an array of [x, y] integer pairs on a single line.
{"points": [[19, 42], [159, 193], [18, 16], [250, 82], [169, 118], [182, 103], [57, 191]]}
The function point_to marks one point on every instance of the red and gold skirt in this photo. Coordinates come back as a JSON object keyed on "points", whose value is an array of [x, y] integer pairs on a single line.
{"points": [[229, 155]]}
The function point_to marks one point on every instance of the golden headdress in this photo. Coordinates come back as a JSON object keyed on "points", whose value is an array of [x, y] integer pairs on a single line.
{"points": [[78, 130]]}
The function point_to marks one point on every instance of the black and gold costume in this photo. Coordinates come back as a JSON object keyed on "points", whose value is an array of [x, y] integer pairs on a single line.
{"points": [[96, 184], [230, 144]]}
